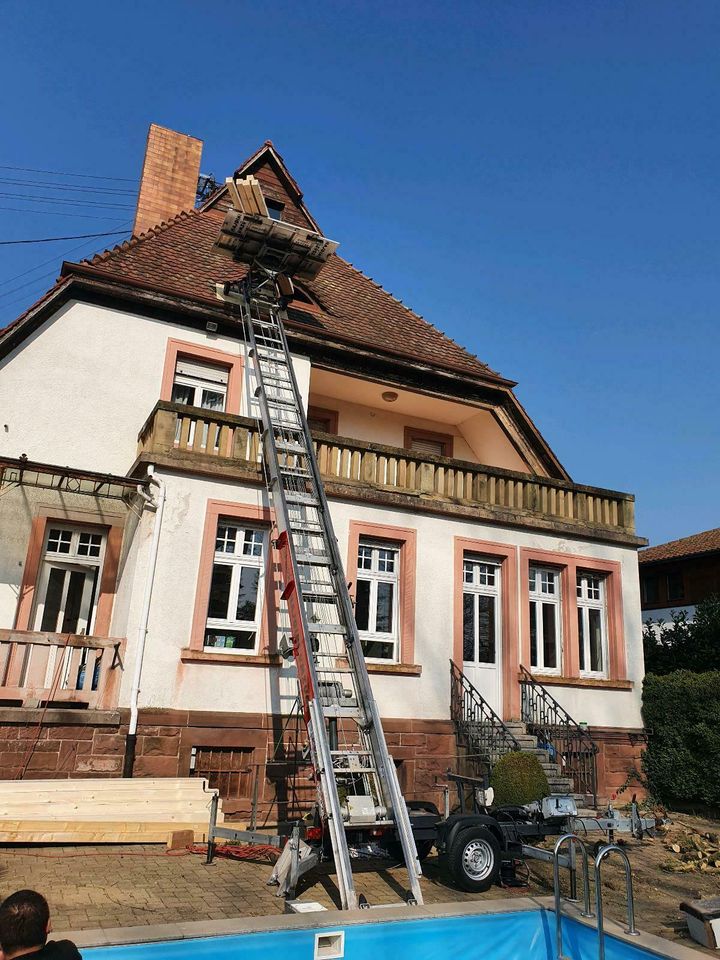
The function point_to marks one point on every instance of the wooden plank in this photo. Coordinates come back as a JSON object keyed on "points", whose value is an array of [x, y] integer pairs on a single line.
{"points": [[121, 832], [234, 195]]}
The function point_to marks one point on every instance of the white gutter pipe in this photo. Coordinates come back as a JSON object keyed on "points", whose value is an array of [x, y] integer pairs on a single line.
{"points": [[158, 503]]}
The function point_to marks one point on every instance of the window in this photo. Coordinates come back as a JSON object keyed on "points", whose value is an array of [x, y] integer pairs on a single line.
{"points": [[481, 590], [545, 630], [199, 384], [426, 441], [69, 579], [376, 599], [675, 586], [236, 588], [274, 209], [650, 589], [592, 631]]}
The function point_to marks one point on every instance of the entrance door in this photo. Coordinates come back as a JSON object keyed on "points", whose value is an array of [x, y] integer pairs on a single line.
{"points": [[482, 654]]}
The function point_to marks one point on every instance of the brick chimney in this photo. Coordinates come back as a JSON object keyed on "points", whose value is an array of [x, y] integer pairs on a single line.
{"points": [[169, 177]]}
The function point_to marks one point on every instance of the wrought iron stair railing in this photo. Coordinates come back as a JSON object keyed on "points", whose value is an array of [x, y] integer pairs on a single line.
{"points": [[569, 744], [477, 725]]}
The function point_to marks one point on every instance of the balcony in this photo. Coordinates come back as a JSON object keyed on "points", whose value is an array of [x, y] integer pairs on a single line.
{"points": [[59, 670], [220, 444]]}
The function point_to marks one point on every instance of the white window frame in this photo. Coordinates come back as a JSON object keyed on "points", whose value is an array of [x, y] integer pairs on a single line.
{"points": [[485, 582], [375, 575], [74, 559], [237, 561], [198, 384], [539, 595], [592, 597]]}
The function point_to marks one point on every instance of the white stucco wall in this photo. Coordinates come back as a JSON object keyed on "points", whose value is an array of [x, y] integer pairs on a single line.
{"points": [[201, 686], [78, 390]]}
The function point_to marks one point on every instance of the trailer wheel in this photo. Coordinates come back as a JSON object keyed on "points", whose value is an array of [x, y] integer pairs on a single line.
{"points": [[474, 859]]}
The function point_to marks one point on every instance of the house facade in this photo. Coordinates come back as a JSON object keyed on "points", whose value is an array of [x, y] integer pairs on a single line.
{"points": [[139, 585], [675, 576]]}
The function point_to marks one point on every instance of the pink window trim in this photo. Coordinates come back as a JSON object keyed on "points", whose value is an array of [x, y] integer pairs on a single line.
{"points": [[33, 559], [506, 556], [569, 565], [195, 351], [406, 538], [268, 625]]}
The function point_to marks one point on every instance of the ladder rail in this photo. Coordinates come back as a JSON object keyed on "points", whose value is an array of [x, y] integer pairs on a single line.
{"points": [[386, 768], [269, 347], [604, 853], [316, 730], [573, 841]]}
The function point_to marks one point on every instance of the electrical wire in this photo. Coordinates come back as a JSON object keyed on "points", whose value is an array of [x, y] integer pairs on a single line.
{"points": [[59, 173], [73, 201], [57, 213], [79, 236], [79, 188]]}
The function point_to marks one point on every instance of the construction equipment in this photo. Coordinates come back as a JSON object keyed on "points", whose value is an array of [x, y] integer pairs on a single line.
{"points": [[357, 784]]}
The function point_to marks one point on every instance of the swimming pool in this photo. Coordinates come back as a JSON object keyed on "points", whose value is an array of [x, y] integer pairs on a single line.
{"points": [[527, 934]]}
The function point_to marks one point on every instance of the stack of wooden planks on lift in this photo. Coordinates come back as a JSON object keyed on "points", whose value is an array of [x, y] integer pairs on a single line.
{"points": [[141, 810], [247, 196]]}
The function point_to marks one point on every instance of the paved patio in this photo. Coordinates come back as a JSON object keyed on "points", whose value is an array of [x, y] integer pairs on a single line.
{"points": [[117, 886]]}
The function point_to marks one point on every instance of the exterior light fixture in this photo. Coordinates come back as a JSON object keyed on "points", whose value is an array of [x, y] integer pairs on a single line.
{"points": [[389, 396]]}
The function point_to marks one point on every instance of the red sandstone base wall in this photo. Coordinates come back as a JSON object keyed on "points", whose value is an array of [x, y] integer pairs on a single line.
{"points": [[269, 748]]}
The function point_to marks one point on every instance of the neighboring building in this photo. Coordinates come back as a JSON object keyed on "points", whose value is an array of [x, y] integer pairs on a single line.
{"points": [[677, 575], [465, 537]]}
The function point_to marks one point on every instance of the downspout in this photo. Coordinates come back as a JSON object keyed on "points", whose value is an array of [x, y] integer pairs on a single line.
{"points": [[158, 503]]}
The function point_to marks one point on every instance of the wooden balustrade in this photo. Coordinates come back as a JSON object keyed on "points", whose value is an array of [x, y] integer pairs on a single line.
{"points": [[190, 437], [57, 668]]}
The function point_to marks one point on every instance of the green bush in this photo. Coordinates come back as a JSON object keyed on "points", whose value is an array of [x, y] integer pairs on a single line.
{"points": [[518, 778], [681, 711]]}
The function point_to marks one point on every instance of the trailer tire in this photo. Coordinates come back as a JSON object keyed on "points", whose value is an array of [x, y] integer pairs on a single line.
{"points": [[474, 859]]}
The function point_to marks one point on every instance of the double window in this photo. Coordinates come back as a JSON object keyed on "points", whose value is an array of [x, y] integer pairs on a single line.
{"points": [[545, 629], [592, 630], [481, 594], [199, 384], [236, 588], [69, 579], [377, 599]]}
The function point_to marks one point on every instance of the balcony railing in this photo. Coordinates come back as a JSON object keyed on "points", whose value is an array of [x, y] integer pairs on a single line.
{"points": [[58, 669], [225, 443]]}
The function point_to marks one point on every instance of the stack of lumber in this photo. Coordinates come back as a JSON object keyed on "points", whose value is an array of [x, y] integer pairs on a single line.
{"points": [[103, 811], [247, 196]]}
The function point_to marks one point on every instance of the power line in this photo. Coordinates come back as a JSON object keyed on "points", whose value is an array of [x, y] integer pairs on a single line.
{"points": [[74, 202], [75, 188], [122, 228], [59, 173], [57, 213], [79, 236]]}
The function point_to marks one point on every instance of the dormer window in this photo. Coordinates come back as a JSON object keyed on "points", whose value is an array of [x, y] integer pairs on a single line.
{"points": [[274, 209]]}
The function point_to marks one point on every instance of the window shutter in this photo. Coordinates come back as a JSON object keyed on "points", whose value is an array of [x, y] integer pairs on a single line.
{"points": [[202, 371], [436, 447]]}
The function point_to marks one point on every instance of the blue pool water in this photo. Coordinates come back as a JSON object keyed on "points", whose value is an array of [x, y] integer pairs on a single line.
{"points": [[525, 935]]}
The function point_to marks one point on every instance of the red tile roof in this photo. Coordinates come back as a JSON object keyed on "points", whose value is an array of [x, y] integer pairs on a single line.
{"points": [[180, 257], [706, 542]]}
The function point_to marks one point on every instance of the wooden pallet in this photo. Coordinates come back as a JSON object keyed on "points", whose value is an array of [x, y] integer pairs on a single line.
{"points": [[103, 811]]}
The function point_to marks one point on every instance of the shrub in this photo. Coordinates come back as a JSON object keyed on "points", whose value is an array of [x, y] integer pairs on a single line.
{"points": [[684, 644], [518, 778], [681, 711]]}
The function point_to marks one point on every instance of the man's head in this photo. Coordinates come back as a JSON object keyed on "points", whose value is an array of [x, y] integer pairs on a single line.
{"points": [[24, 923]]}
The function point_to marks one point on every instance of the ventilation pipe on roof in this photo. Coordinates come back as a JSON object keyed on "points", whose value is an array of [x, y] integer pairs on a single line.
{"points": [[131, 738]]}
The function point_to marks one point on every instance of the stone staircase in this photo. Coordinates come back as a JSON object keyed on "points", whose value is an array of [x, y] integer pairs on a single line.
{"points": [[557, 781]]}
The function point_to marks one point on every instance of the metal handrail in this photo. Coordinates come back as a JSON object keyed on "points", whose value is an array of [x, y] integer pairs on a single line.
{"points": [[476, 721], [573, 841], [551, 723], [602, 855]]}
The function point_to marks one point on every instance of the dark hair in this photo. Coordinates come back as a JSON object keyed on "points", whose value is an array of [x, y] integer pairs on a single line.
{"points": [[24, 920]]}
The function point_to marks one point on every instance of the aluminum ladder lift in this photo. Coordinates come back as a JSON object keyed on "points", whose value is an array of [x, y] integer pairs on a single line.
{"points": [[356, 778]]}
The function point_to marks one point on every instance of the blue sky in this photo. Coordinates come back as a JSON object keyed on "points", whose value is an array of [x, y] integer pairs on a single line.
{"points": [[539, 179]]}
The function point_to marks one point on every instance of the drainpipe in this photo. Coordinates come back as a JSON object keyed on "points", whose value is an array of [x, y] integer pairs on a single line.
{"points": [[159, 505]]}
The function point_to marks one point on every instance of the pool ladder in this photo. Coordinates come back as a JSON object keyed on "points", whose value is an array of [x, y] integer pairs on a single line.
{"points": [[574, 842]]}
